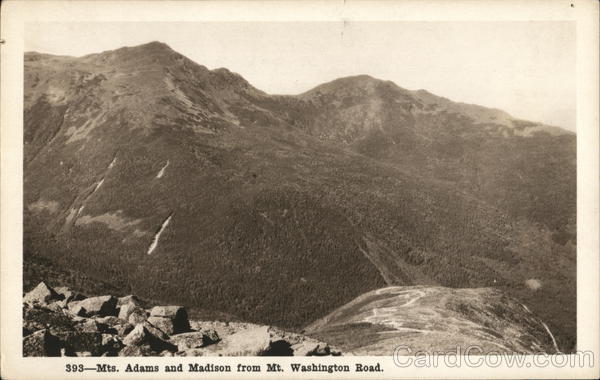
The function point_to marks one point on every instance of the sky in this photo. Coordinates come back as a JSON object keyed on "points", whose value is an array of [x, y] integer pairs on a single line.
{"points": [[525, 68]]}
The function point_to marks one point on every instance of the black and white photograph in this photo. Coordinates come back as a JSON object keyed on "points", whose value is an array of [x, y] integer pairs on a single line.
{"points": [[351, 188]]}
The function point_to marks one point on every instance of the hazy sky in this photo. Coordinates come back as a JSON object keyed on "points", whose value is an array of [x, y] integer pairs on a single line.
{"points": [[525, 68]]}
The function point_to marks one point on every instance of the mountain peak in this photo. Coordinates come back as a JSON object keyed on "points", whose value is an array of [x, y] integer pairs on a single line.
{"points": [[152, 47], [359, 78], [149, 47], [354, 80], [356, 84], [154, 44], [151, 52]]}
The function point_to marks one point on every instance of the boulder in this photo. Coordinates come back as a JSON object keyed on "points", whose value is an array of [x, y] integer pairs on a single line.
{"points": [[129, 300], [110, 320], [312, 347], [164, 324], [210, 335], [299, 344], [75, 308], [89, 325], [129, 308], [101, 306], [222, 328], [41, 343], [195, 339], [141, 336], [155, 330], [37, 318], [62, 290], [68, 295], [137, 316], [93, 325], [77, 342], [63, 304], [107, 338], [143, 350], [41, 294], [256, 341], [136, 337], [111, 345], [54, 306], [123, 329], [168, 311], [177, 314]]}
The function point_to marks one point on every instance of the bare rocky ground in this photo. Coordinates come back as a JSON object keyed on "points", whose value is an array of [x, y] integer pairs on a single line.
{"points": [[61, 322]]}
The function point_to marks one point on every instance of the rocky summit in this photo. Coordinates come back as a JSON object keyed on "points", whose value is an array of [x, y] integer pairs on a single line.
{"points": [[57, 325], [153, 175]]}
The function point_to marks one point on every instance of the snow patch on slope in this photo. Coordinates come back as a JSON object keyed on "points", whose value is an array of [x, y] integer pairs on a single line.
{"points": [[97, 187], [112, 163], [162, 171], [551, 336], [79, 211], [115, 221], [43, 205], [157, 235]]}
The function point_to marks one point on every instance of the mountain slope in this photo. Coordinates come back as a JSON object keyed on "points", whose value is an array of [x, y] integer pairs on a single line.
{"points": [[481, 150], [434, 319], [182, 183]]}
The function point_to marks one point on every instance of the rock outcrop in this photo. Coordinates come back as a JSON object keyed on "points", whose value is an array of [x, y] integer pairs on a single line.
{"points": [[60, 322], [41, 294]]}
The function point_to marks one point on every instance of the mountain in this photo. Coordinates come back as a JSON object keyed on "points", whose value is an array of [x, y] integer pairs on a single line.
{"points": [[478, 149], [175, 182]]}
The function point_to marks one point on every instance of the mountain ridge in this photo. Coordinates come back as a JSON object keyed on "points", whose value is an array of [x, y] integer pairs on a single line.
{"points": [[157, 48]]}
